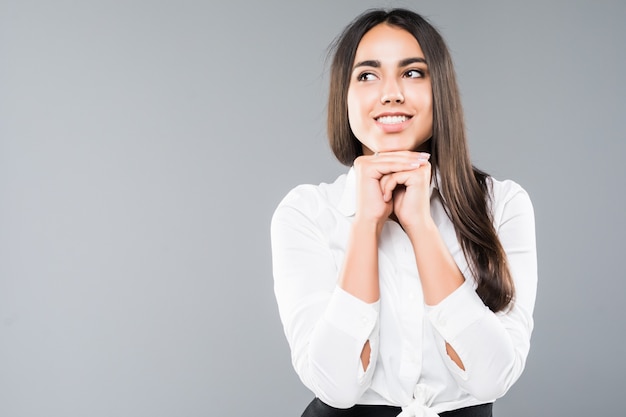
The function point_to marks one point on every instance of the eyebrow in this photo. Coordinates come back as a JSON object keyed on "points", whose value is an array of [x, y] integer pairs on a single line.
{"points": [[376, 64]]}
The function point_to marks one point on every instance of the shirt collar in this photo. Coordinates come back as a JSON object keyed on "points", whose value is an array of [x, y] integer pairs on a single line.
{"points": [[347, 203]]}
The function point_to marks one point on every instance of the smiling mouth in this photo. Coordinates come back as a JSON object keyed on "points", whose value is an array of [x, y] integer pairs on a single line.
{"points": [[392, 120]]}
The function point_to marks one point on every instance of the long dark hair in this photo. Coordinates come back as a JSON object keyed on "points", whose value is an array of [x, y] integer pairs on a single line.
{"points": [[463, 187]]}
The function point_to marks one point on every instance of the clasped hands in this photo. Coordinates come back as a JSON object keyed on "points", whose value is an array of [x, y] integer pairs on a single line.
{"points": [[396, 183]]}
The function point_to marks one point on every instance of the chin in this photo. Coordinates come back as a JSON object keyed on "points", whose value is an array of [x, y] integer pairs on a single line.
{"points": [[391, 147]]}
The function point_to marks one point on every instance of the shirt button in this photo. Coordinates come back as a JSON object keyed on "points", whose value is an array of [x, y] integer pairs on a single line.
{"points": [[365, 321], [411, 296], [443, 321]]}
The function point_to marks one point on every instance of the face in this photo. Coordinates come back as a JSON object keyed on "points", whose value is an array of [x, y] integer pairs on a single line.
{"points": [[390, 94]]}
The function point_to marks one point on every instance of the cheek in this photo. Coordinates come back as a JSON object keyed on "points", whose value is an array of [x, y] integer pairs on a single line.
{"points": [[427, 107], [429, 100], [356, 120], [354, 115]]}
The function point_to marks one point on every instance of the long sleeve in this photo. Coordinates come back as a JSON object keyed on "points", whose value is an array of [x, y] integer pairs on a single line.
{"points": [[494, 347], [325, 326]]}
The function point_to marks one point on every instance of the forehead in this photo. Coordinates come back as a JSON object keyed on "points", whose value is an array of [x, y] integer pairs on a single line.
{"points": [[387, 43]]}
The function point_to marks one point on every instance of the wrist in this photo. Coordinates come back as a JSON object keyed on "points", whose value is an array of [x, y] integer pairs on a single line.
{"points": [[364, 227], [419, 225]]}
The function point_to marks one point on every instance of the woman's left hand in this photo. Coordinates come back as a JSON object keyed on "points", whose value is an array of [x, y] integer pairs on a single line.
{"points": [[410, 191]]}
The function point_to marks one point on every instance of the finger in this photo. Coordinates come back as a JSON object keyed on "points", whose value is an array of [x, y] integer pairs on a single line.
{"points": [[386, 163], [416, 177], [392, 181], [400, 156], [387, 186], [388, 183]]}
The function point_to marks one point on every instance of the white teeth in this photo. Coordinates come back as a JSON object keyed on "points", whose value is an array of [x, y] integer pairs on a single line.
{"points": [[390, 120]]}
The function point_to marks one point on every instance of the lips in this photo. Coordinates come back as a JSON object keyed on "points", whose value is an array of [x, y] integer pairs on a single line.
{"points": [[395, 122], [392, 119]]}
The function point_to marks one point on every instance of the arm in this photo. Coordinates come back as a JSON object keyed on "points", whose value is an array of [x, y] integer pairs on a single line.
{"points": [[439, 274], [327, 328], [485, 352], [359, 275], [493, 346]]}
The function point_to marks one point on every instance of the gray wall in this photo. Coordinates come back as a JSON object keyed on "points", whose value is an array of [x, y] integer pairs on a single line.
{"points": [[145, 144]]}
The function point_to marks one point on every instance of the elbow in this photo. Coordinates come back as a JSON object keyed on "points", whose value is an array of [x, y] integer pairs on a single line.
{"points": [[488, 392], [340, 398], [342, 390], [492, 370], [339, 392], [493, 385]]}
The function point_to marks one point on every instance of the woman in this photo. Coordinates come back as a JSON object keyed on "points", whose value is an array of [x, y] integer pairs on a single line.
{"points": [[407, 286]]}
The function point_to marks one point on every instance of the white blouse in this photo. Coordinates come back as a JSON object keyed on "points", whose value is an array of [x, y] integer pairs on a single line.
{"points": [[327, 327]]}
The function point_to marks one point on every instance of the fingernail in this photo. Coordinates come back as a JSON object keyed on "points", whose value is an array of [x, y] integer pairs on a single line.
{"points": [[425, 155], [420, 162]]}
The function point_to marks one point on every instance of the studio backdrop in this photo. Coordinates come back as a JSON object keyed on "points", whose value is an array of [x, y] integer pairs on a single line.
{"points": [[144, 146]]}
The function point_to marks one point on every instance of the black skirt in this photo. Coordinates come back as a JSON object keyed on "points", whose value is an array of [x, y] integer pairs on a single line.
{"points": [[317, 408]]}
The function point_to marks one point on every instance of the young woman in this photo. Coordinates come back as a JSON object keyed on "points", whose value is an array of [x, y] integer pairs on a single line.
{"points": [[407, 286]]}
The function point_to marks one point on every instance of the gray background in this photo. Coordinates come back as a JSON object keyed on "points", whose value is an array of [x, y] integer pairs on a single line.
{"points": [[145, 144]]}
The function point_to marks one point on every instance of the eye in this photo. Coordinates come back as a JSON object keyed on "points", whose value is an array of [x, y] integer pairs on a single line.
{"points": [[414, 73], [366, 76]]}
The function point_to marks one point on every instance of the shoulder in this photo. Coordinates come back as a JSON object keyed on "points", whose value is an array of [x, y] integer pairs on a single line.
{"points": [[310, 199], [508, 198], [502, 190]]}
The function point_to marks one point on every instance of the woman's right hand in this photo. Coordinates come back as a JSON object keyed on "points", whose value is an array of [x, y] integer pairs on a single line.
{"points": [[372, 205]]}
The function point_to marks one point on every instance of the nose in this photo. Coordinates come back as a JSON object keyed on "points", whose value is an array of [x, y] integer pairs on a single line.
{"points": [[392, 94]]}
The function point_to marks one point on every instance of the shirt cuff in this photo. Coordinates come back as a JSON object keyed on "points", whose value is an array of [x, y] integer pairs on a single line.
{"points": [[352, 315], [457, 311]]}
